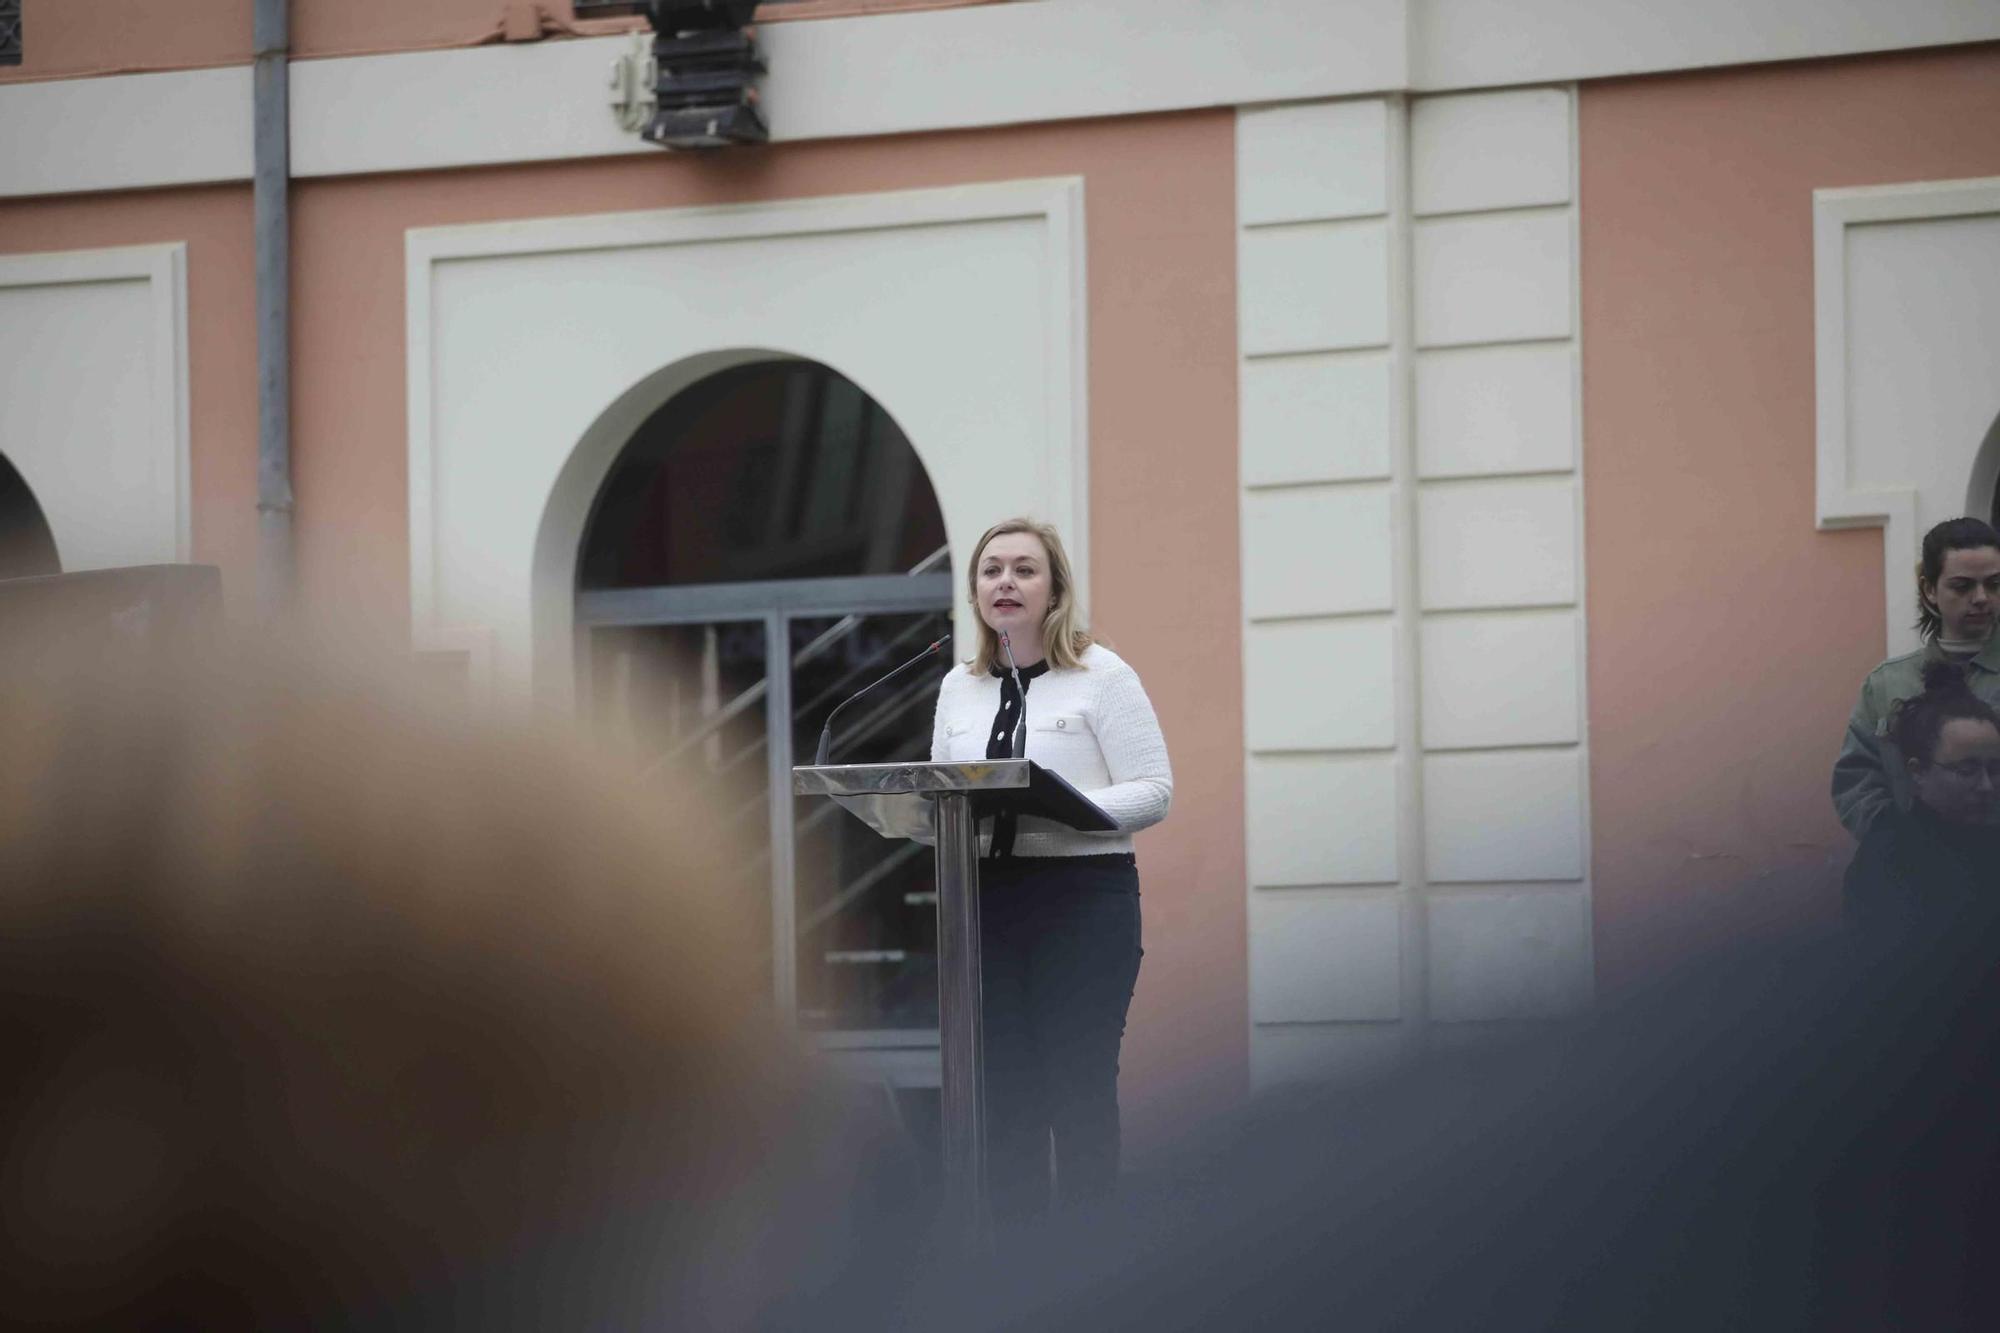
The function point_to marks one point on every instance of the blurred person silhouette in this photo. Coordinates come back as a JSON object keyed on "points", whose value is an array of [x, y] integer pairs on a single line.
{"points": [[1797, 1136], [323, 1006], [1958, 601], [1929, 863]]}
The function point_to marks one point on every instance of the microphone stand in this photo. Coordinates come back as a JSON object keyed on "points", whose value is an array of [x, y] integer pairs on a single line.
{"points": [[1020, 740], [826, 732]]}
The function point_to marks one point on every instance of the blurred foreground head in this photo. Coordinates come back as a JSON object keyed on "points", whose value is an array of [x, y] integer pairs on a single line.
{"points": [[1802, 1136], [322, 1005]]}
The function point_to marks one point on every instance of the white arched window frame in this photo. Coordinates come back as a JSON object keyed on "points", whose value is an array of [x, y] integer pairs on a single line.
{"points": [[537, 346], [94, 399], [1907, 314]]}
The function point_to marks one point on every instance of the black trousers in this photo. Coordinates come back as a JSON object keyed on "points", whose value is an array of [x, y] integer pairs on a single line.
{"points": [[1060, 953]]}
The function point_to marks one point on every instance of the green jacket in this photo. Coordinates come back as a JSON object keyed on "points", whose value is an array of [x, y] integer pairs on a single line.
{"points": [[1868, 776]]}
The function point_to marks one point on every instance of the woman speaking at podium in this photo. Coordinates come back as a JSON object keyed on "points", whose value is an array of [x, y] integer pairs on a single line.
{"points": [[1059, 909]]}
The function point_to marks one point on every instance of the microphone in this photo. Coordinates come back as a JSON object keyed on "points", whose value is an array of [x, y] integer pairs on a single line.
{"points": [[826, 732], [1021, 722]]}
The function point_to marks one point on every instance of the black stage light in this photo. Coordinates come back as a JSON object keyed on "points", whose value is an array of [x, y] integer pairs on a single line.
{"points": [[10, 32], [707, 63]]}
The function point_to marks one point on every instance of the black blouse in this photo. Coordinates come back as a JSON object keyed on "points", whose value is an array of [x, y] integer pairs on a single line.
{"points": [[1000, 745]]}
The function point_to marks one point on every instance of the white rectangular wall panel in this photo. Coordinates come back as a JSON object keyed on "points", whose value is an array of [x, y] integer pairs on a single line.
{"points": [[1504, 817], [1313, 286], [984, 346], [1317, 417], [1321, 819], [1499, 953], [1314, 161], [1321, 684], [1490, 411], [1489, 150], [1500, 277], [1325, 956], [1493, 679], [1498, 543], [94, 400], [1316, 551]]}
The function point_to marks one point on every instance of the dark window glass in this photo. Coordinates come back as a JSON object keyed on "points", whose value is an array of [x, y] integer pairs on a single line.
{"points": [[27, 547], [866, 906], [776, 470]]}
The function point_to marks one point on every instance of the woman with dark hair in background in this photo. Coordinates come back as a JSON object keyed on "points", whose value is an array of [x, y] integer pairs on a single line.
{"points": [[1958, 596], [1943, 854], [1059, 909]]}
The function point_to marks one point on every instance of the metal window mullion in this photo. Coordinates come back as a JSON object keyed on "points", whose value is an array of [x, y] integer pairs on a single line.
{"points": [[778, 757], [680, 604]]}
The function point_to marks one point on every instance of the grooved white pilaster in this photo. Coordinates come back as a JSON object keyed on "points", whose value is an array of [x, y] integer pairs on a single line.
{"points": [[1500, 540], [1412, 566], [1324, 442]]}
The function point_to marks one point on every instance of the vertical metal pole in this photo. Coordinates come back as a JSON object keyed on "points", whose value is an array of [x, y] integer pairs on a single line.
{"points": [[778, 753], [1414, 937], [271, 213], [958, 1017]]}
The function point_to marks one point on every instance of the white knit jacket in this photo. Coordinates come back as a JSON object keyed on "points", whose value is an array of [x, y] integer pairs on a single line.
{"points": [[1093, 724]]}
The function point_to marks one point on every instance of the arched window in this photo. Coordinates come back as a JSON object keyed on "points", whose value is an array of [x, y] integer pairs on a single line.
{"points": [[775, 470], [27, 547], [767, 543], [1983, 495]]}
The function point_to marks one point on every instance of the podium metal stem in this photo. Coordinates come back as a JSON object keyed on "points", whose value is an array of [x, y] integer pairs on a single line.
{"points": [[964, 1093]]}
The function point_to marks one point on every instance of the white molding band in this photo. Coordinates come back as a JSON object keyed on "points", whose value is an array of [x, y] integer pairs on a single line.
{"points": [[126, 131], [910, 73], [1841, 501], [69, 436], [537, 447]]}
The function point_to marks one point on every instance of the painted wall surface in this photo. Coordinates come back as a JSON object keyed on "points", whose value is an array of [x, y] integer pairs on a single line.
{"points": [[1160, 269], [1727, 636], [1160, 261], [348, 27], [215, 224], [64, 39]]}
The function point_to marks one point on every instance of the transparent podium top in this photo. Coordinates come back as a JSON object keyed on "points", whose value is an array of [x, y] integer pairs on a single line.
{"points": [[912, 779], [895, 799]]}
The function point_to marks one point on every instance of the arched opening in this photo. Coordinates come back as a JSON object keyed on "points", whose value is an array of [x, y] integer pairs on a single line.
{"points": [[1983, 493], [764, 544], [27, 546], [1992, 452]]}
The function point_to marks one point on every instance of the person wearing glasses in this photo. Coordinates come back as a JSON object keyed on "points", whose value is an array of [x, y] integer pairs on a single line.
{"points": [[1941, 857]]}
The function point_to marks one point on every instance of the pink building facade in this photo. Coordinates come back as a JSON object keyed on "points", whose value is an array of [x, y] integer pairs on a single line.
{"points": [[1498, 433]]}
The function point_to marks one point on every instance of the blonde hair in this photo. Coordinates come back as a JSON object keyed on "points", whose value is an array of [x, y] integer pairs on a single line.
{"points": [[1063, 634]]}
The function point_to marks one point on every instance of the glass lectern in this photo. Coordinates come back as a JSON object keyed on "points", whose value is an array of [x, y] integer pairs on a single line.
{"points": [[940, 804]]}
